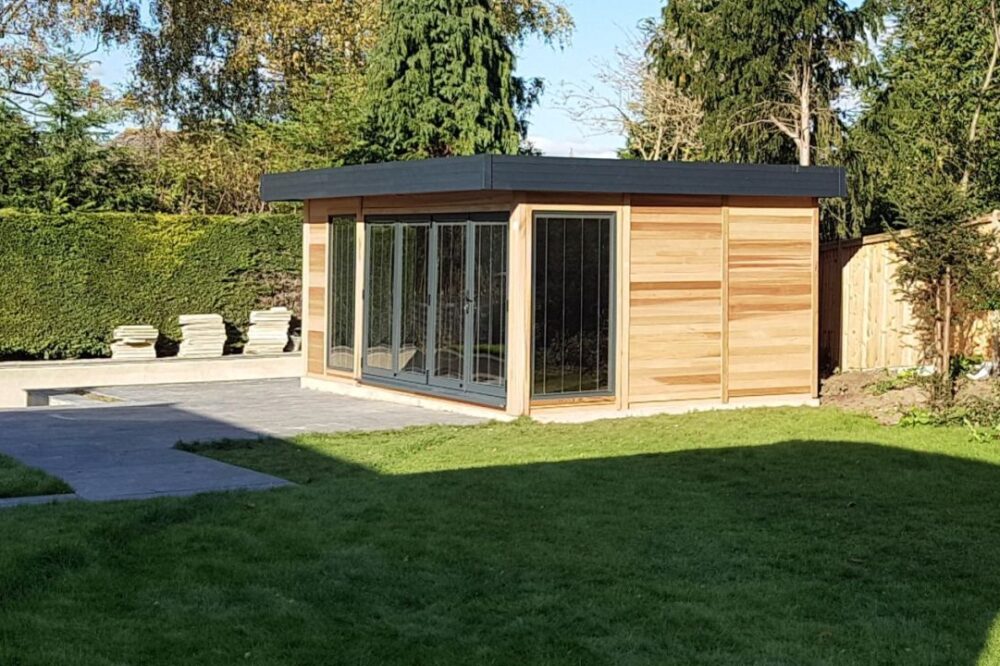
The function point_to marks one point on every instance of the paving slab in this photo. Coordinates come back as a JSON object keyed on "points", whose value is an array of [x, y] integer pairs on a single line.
{"points": [[123, 446]]}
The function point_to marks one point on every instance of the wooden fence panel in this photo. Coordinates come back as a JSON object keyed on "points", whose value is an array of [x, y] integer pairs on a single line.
{"points": [[864, 323]]}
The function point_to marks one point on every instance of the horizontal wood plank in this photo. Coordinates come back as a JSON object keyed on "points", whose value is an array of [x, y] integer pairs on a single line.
{"points": [[675, 292], [770, 297], [315, 352]]}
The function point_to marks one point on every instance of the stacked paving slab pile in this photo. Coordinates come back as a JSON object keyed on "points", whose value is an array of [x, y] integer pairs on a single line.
{"points": [[268, 331], [134, 343], [202, 336]]}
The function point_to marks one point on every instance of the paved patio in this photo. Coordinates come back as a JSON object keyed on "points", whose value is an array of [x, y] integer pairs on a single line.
{"points": [[122, 447]]}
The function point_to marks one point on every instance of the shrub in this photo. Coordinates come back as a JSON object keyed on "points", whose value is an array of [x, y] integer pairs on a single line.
{"points": [[68, 280], [980, 415]]}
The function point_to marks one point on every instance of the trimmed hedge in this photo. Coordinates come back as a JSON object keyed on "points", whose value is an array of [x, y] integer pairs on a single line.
{"points": [[66, 281]]}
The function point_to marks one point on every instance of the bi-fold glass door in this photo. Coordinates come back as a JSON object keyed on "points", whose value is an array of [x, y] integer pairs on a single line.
{"points": [[436, 313]]}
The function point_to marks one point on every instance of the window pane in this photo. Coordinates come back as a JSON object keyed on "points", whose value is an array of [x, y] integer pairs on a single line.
{"points": [[415, 299], [449, 355], [342, 243], [572, 305], [380, 278], [489, 359]]}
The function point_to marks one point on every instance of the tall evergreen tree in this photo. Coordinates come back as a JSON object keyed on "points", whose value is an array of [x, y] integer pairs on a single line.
{"points": [[19, 150], [75, 167], [947, 268], [935, 102], [768, 72], [441, 82]]}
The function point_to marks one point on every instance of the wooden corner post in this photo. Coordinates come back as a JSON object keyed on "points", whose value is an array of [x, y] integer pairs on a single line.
{"points": [[519, 309], [304, 333], [624, 305], [724, 351], [814, 370]]}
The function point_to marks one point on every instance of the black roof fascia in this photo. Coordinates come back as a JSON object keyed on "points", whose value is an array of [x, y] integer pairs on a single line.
{"points": [[451, 174], [567, 174], [554, 174]]}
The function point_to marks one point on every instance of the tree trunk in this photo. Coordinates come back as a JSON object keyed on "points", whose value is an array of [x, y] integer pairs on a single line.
{"points": [[946, 329], [938, 332], [805, 117]]}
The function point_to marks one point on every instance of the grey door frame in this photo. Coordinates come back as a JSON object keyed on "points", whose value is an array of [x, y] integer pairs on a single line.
{"points": [[426, 381], [612, 218]]}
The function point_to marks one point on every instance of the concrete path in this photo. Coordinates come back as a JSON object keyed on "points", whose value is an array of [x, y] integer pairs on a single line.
{"points": [[123, 447]]}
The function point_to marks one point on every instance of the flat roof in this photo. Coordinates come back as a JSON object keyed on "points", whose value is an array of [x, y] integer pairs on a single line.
{"points": [[527, 173]]}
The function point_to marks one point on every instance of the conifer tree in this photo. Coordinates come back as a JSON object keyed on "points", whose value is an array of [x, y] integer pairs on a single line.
{"points": [[441, 82], [767, 71], [935, 99], [947, 267]]}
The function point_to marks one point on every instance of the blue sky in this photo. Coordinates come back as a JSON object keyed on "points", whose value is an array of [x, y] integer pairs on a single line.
{"points": [[600, 27]]}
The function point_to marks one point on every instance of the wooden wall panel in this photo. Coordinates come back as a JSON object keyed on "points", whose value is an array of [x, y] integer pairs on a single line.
{"points": [[314, 290], [458, 202], [315, 351], [675, 316], [320, 210], [771, 321], [573, 201]]}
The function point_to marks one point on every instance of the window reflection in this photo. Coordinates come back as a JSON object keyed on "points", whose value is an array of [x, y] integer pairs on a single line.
{"points": [[572, 305]]}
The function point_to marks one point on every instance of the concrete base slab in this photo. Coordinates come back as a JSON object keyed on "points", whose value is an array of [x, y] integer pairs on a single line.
{"points": [[579, 414]]}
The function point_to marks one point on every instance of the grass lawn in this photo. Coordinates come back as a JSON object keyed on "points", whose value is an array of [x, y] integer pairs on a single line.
{"points": [[16, 480], [751, 537]]}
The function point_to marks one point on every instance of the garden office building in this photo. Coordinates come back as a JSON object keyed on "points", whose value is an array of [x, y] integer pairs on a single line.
{"points": [[561, 288]]}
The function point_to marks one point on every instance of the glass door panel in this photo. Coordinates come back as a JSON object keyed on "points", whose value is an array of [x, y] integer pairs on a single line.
{"points": [[341, 283], [379, 301], [414, 299], [573, 297], [489, 309], [436, 305], [450, 303]]}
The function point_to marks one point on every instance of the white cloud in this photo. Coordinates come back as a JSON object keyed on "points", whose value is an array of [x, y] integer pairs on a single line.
{"points": [[569, 148]]}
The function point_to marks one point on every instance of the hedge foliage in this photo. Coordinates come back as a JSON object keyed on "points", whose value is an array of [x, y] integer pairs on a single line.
{"points": [[66, 281]]}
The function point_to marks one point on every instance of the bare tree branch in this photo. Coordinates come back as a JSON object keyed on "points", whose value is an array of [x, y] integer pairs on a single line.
{"points": [[784, 128], [987, 83], [658, 120]]}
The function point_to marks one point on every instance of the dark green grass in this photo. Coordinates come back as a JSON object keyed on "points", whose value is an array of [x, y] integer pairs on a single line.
{"points": [[16, 480], [755, 537]]}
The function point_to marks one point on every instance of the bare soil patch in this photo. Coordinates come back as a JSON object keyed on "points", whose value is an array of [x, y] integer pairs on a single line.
{"points": [[855, 392], [860, 392]]}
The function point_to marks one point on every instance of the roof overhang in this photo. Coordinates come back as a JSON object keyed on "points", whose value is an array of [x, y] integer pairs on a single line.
{"points": [[554, 174]]}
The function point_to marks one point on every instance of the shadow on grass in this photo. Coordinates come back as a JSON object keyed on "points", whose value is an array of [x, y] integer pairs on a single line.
{"points": [[792, 553], [798, 552]]}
